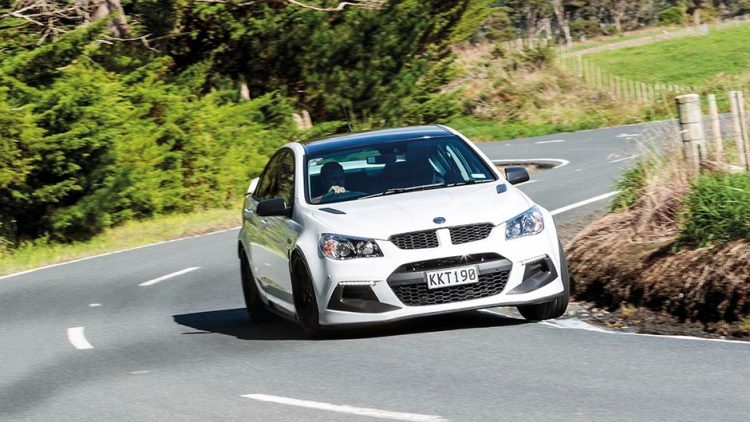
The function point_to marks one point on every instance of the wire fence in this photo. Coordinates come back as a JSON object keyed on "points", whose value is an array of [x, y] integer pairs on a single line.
{"points": [[619, 86]]}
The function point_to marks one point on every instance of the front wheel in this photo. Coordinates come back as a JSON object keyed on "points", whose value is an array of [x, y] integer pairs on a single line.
{"points": [[304, 299], [555, 308]]}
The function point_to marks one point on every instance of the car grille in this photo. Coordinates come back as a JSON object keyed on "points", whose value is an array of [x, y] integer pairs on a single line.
{"points": [[466, 234], [428, 238], [415, 240], [419, 295]]}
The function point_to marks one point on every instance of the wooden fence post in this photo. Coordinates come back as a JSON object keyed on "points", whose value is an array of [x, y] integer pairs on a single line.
{"points": [[713, 111], [691, 129], [740, 125]]}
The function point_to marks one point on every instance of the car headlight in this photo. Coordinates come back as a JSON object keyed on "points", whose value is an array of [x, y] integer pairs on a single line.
{"points": [[335, 246], [526, 224]]}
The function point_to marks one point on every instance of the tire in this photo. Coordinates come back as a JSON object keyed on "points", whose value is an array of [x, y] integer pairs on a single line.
{"points": [[305, 302], [555, 308], [256, 309]]}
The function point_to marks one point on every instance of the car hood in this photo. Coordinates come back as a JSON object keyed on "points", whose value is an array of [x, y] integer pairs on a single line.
{"points": [[381, 217]]}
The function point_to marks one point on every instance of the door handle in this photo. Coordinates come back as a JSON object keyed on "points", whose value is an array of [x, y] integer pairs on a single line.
{"points": [[264, 222], [248, 213]]}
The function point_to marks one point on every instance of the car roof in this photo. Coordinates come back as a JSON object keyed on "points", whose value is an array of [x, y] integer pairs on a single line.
{"points": [[376, 136]]}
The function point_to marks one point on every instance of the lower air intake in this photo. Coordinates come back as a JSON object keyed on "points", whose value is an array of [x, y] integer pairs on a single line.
{"points": [[418, 294]]}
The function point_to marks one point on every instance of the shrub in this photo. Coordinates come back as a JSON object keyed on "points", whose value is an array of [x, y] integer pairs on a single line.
{"points": [[717, 210], [671, 16], [631, 185]]}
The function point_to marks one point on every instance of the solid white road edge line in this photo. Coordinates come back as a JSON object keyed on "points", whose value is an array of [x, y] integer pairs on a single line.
{"points": [[554, 141], [584, 202], [623, 159], [78, 339], [168, 276], [577, 324], [350, 410], [114, 253]]}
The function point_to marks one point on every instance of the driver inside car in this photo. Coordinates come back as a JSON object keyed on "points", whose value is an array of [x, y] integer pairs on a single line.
{"points": [[332, 179]]}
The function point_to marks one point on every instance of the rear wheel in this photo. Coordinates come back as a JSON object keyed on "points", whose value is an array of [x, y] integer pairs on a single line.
{"points": [[555, 308], [304, 298], [256, 309]]}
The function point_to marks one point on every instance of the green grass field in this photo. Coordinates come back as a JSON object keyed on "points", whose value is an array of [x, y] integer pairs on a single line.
{"points": [[685, 61]]}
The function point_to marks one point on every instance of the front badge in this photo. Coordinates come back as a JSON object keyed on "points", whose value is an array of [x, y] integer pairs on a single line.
{"points": [[438, 220]]}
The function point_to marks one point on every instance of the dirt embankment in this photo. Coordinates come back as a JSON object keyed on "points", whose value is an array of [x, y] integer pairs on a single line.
{"points": [[627, 263]]}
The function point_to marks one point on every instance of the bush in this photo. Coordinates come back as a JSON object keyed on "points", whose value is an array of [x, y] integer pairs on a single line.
{"points": [[631, 185], [671, 16], [717, 210], [585, 27]]}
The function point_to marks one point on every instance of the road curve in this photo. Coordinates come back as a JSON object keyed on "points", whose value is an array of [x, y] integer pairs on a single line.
{"points": [[159, 333]]}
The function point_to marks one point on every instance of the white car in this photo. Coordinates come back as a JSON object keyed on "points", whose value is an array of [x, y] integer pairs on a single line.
{"points": [[392, 224]]}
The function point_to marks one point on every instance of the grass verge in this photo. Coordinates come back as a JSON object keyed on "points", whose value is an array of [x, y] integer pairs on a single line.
{"points": [[131, 234]]}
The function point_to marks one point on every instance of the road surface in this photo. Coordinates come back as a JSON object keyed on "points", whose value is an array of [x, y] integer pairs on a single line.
{"points": [[159, 333]]}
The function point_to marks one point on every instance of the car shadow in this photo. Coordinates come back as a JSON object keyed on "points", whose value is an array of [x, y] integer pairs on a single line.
{"points": [[235, 322]]}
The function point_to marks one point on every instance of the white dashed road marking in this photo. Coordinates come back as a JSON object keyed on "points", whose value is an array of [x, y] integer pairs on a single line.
{"points": [[554, 141], [78, 339], [168, 276], [94, 305], [584, 202], [349, 410], [623, 159]]}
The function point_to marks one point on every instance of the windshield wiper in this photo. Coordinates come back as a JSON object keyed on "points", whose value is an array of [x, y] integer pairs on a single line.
{"points": [[392, 191], [467, 182]]}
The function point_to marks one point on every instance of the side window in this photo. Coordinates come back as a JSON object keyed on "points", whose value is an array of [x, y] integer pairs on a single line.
{"points": [[277, 180], [286, 178], [268, 180]]}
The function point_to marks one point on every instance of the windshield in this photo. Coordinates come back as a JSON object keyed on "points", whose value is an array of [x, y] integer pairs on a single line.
{"points": [[392, 167]]}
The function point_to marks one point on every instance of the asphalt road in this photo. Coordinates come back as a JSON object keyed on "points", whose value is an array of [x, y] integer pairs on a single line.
{"points": [[85, 341]]}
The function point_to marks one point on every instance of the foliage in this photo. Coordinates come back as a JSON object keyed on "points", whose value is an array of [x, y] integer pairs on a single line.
{"points": [[717, 210], [671, 16], [632, 184], [96, 133], [95, 148]]}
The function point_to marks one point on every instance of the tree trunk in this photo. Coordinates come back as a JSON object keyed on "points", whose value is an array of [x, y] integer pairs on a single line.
{"points": [[244, 89], [531, 22], [103, 8], [562, 20], [697, 17]]}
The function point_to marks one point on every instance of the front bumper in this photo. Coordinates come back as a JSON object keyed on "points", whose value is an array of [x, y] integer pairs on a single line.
{"points": [[516, 272]]}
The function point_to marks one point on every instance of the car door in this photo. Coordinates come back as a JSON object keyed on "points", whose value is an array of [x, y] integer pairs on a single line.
{"points": [[271, 238]]}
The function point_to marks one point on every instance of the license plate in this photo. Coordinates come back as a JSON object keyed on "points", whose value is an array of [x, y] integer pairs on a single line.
{"points": [[452, 277]]}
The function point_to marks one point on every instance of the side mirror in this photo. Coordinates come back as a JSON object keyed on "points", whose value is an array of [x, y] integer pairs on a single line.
{"points": [[253, 185], [275, 207], [516, 175]]}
